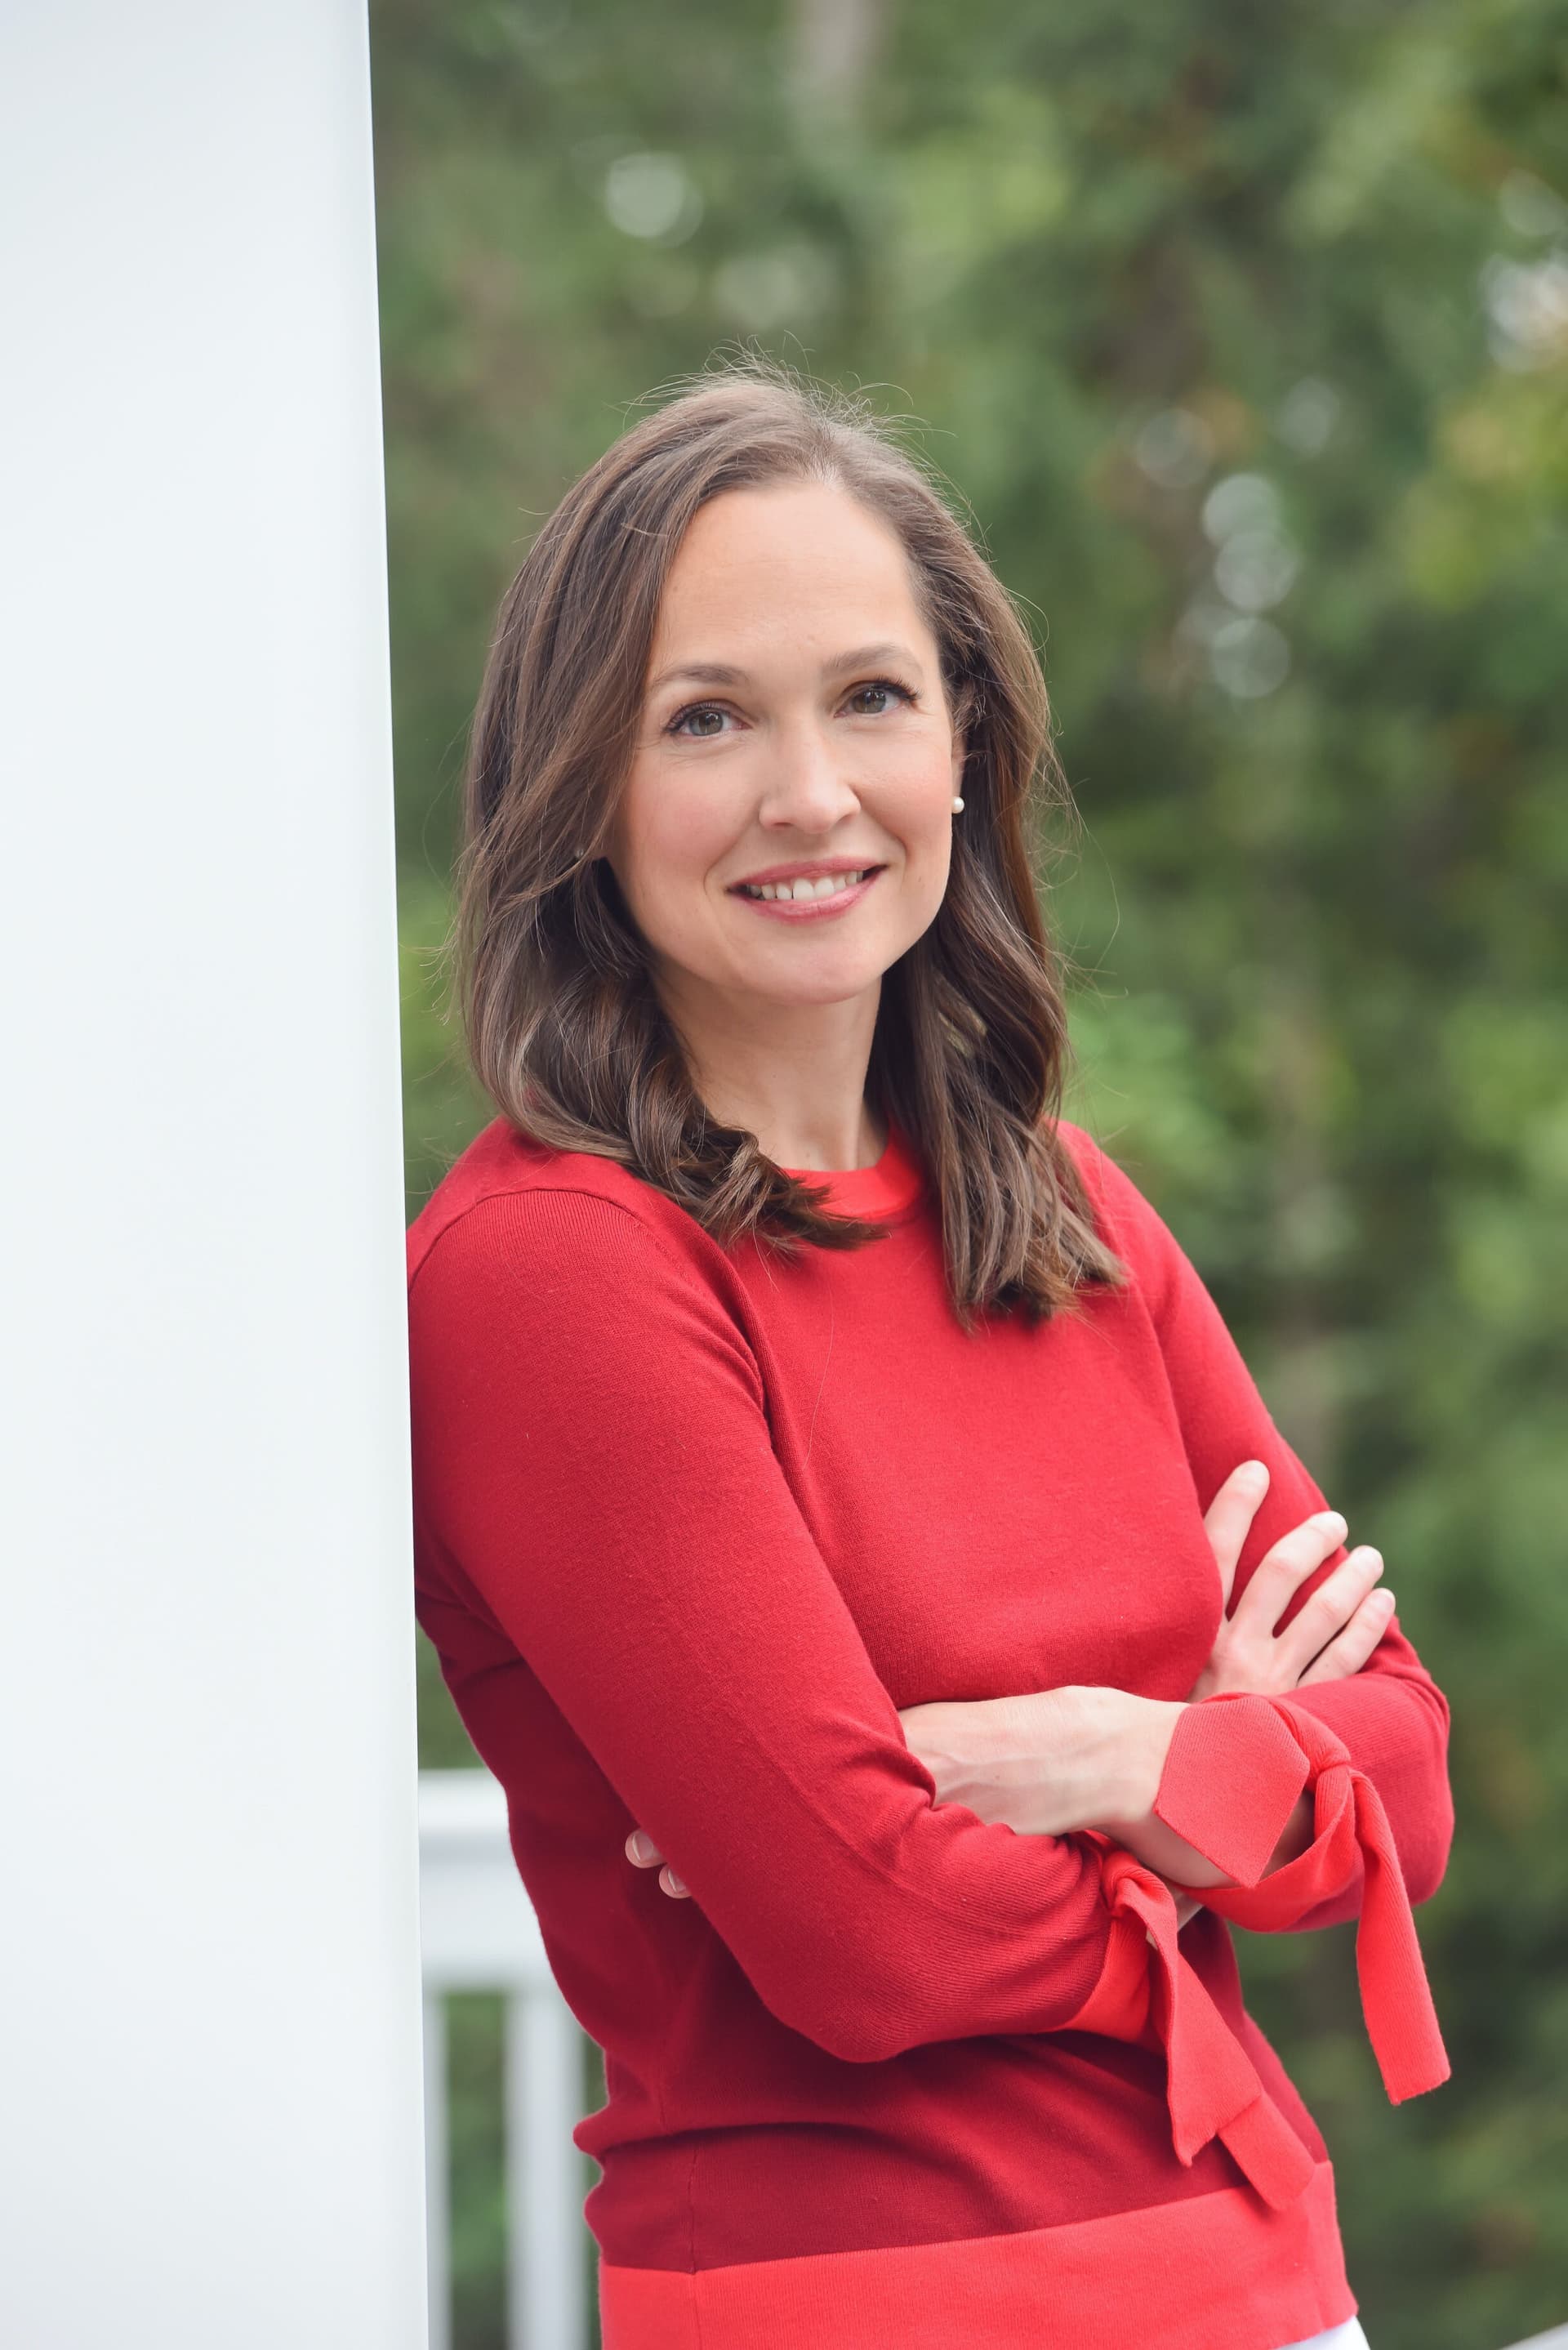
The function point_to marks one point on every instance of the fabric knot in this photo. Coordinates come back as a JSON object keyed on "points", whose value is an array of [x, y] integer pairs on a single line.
{"points": [[1239, 1737], [1211, 2087]]}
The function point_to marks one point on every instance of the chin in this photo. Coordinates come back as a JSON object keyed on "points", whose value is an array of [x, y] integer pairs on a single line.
{"points": [[827, 987]]}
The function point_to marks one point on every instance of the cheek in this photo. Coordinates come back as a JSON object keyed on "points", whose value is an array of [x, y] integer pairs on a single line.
{"points": [[926, 875], [916, 805], [674, 835]]}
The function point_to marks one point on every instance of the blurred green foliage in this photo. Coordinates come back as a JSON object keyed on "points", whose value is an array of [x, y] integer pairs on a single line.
{"points": [[1245, 333]]}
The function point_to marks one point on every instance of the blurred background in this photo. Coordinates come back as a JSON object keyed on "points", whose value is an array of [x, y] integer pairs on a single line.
{"points": [[1243, 333]]}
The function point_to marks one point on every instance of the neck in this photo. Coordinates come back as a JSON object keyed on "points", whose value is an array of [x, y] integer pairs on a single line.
{"points": [[792, 1075]]}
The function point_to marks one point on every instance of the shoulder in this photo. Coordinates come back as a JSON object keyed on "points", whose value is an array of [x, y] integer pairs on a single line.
{"points": [[528, 1255], [570, 1205]]}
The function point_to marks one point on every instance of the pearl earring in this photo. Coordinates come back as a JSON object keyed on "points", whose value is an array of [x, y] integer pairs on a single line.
{"points": [[957, 805]]}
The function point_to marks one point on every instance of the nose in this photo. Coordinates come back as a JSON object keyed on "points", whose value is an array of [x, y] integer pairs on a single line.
{"points": [[804, 789]]}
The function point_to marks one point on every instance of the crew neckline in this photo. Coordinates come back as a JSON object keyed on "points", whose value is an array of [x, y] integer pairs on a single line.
{"points": [[892, 1182]]}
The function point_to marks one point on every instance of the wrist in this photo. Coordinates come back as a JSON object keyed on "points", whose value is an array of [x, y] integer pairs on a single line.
{"points": [[965, 1744], [1135, 1762], [1047, 1762]]}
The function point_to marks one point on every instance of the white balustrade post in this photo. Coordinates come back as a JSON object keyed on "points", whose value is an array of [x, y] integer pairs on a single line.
{"points": [[438, 2173], [210, 2075], [479, 1933], [544, 2202]]}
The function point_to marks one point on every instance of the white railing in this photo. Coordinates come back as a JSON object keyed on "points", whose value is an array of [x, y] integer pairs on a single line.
{"points": [[479, 1933]]}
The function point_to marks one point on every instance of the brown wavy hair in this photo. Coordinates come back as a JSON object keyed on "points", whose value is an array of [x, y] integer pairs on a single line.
{"points": [[564, 1029]]}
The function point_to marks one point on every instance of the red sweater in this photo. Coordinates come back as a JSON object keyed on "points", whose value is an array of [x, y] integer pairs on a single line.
{"points": [[691, 1525]]}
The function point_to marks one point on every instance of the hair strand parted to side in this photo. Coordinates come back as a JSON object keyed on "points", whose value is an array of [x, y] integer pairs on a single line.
{"points": [[563, 1027]]}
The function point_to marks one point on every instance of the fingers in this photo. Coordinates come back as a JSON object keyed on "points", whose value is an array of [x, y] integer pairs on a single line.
{"points": [[1349, 1651], [1248, 1656], [1285, 1567], [641, 1850], [1329, 1610], [1229, 1515]]}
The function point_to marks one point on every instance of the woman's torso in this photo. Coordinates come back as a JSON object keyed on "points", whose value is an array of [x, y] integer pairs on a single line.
{"points": [[1001, 1512]]}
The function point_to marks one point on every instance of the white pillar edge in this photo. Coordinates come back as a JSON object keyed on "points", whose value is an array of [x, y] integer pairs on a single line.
{"points": [[211, 2078]]}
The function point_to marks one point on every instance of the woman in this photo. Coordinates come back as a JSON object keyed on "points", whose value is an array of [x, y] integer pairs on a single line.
{"points": [[830, 1475]]}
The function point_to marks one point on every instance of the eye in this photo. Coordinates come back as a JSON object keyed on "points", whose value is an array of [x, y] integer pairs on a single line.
{"points": [[697, 714], [883, 686]]}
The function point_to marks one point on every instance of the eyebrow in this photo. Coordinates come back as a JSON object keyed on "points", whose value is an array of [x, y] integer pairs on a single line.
{"points": [[721, 673]]}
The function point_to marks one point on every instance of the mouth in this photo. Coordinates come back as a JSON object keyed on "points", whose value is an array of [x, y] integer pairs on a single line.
{"points": [[826, 899], [805, 897]]}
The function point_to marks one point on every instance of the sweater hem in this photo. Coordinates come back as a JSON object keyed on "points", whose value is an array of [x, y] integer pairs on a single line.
{"points": [[1176, 2276]]}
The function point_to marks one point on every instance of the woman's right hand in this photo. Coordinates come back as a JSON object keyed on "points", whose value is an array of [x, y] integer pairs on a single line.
{"points": [[1329, 1639]]}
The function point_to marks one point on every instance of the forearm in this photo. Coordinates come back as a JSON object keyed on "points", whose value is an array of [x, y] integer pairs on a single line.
{"points": [[1061, 1761]]}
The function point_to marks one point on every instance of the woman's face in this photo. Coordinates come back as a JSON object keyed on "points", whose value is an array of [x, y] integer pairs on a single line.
{"points": [[793, 718]]}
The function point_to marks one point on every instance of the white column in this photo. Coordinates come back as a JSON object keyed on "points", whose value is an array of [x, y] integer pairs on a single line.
{"points": [[210, 2066]]}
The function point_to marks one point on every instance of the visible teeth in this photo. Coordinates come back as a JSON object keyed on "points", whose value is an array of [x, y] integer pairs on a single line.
{"points": [[828, 886]]}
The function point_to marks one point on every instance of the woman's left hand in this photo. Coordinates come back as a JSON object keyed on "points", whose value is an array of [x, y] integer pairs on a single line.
{"points": [[1329, 1639]]}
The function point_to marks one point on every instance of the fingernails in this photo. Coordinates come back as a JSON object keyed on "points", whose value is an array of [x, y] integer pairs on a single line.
{"points": [[641, 1846], [1384, 1598], [1331, 1522], [676, 1884], [1252, 1473]]}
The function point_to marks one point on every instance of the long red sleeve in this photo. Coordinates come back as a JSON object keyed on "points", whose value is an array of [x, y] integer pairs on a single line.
{"points": [[597, 1456], [1371, 1749], [1390, 1717]]}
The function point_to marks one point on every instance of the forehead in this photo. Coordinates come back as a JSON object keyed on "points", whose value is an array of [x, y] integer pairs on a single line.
{"points": [[790, 558]]}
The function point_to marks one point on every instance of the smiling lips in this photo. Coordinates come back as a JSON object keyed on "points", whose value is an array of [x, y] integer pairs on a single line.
{"points": [[805, 900]]}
